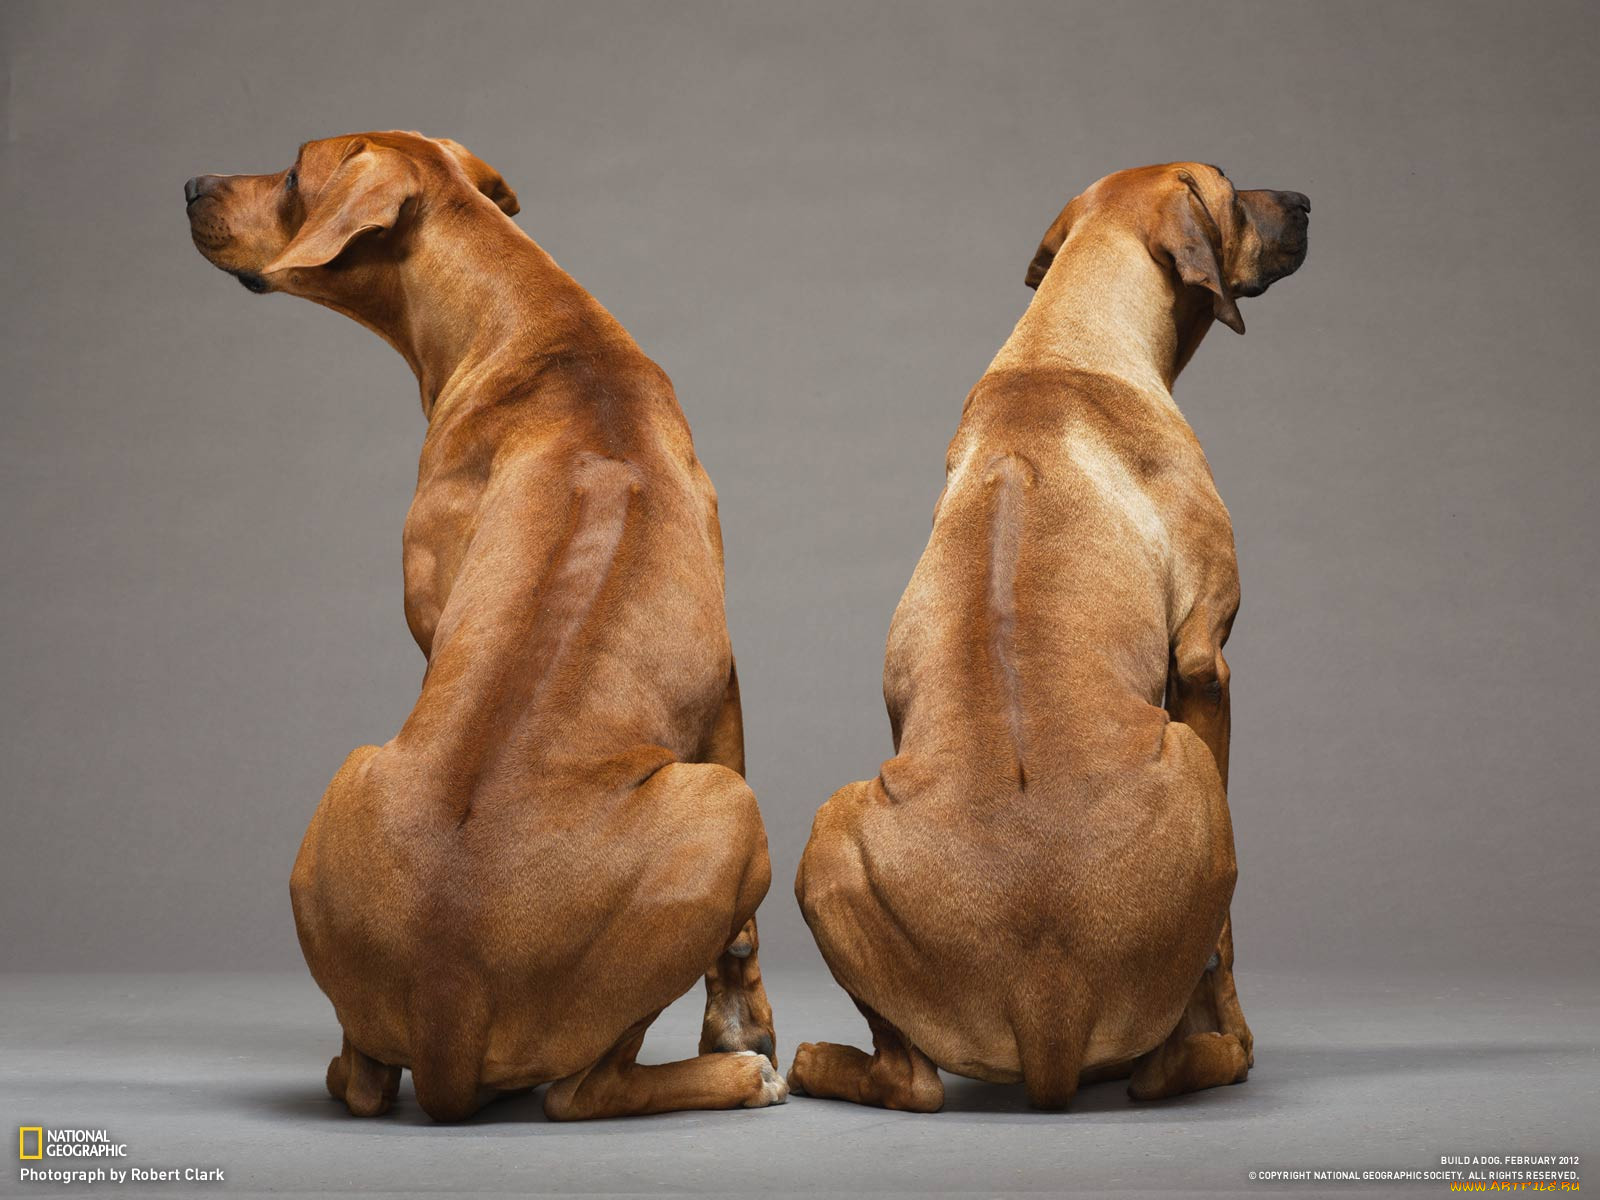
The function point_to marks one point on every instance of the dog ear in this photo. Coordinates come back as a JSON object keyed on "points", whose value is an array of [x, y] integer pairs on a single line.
{"points": [[1046, 253], [1191, 237], [484, 177], [365, 193]]}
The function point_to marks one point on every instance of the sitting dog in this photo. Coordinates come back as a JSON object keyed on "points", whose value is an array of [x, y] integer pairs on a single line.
{"points": [[559, 840], [1036, 886]]}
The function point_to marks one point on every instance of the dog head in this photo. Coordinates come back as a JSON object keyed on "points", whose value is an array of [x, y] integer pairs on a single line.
{"points": [[1230, 243], [321, 227]]}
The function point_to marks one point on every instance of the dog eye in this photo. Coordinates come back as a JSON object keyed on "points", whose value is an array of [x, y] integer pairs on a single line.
{"points": [[291, 180]]}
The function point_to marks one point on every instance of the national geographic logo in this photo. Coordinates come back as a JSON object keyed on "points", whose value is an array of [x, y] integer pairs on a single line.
{"points": [[66, 1156], [37, 1142]]}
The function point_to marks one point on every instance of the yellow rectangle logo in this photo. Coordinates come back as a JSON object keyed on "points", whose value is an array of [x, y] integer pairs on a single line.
{"points": [[38, 1141]]}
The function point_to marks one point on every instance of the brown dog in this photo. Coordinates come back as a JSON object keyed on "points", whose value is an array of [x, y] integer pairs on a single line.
{"points": [[558, 841], [1036, 886]]}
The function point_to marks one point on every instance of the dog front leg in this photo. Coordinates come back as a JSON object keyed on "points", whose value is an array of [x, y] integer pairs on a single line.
{"points": [[1198, 694], [725, 745], [738, 1013], [1198, 690]]}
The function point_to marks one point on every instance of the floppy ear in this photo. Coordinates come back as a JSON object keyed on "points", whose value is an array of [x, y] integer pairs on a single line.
{"points": [[1046, 253], [366, 192], [1192, 239], [484, 177]]}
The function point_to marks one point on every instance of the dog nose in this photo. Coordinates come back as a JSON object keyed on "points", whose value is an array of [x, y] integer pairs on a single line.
{"points": [[1295, 200], [200, 185]]}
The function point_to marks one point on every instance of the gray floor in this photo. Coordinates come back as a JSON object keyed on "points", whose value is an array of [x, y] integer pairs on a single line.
{"points": [[225, 1070]]}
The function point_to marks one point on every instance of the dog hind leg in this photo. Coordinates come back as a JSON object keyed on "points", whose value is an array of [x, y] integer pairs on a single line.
{"points": [[895, 1075], [617, 1086], [367, 1086], [1195, 1055], [1189, 1063]]}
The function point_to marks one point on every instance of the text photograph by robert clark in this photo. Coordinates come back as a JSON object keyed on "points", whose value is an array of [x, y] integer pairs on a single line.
{"points": [[833, 598]]}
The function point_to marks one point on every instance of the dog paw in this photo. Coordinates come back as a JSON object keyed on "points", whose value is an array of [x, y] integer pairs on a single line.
{"points": [[1248, 1041], [769, 1087], [797, 1066]]}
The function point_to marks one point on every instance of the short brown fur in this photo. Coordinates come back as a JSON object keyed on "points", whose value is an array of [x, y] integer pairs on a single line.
{"points": [[559, 840], [1035, 888]]}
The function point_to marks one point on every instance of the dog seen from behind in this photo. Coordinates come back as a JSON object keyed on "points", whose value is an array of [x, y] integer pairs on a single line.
{"points": [[559, 840], [1036, 886]]}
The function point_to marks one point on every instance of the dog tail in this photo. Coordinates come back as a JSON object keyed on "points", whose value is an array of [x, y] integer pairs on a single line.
{"points": [[449, 1038]]}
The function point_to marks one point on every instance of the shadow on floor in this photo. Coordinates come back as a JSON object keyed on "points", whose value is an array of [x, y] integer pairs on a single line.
{"points": [[1280, 1074]]}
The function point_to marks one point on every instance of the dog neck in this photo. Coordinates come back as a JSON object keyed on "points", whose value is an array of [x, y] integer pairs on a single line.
{"points": [[1107, 307], [476, 302]]}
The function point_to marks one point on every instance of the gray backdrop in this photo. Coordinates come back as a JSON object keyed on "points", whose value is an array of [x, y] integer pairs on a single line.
{"points": [[817, 218]]}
